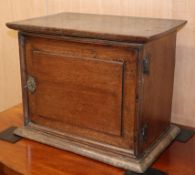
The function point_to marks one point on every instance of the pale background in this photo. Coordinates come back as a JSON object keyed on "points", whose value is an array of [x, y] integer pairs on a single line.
{"points": [[183, 111]]}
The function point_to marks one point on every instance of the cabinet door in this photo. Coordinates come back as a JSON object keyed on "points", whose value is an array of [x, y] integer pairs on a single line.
{"points": [[87, 90]]}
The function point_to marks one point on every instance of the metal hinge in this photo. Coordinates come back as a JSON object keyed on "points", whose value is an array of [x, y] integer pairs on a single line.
{"points": [[22, 40], [143, 133], [146, 65]]}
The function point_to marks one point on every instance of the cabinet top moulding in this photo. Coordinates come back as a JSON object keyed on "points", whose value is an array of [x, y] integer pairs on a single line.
{"points": [[106, 27]]}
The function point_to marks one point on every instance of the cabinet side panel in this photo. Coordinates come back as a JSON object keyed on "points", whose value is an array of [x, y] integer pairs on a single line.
{"points": [[157, 89]]}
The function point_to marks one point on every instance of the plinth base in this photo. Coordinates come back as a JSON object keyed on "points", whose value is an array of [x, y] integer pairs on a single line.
{"points": [[133, 164]]}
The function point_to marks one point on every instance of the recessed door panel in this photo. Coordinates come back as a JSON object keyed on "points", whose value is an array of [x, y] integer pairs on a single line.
{"points": [[78, 91], [82, 89]]}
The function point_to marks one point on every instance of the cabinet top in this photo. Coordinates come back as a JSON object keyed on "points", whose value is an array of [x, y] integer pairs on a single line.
{"points": [[107, 27]]}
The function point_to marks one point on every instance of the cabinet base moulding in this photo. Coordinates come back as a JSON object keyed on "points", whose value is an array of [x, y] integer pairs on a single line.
{"points": [[129, 163]]}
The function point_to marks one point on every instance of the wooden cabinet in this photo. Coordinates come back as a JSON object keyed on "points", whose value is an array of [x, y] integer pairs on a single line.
{"points": [[99, 86]]}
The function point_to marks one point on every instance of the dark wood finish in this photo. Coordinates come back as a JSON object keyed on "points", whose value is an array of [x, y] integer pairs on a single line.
{"points": [[115, 28], [32, 158], [157, 89], [95, 93], [108, 92], [4, 170], [91, 97]]}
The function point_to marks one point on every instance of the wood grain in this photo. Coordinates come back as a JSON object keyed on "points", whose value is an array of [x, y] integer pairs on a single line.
{"points": [[183, 99], [107, 27], [123, 83], [69, 73], [4, 170], [28, 157], [158, 87], [82, 93]]}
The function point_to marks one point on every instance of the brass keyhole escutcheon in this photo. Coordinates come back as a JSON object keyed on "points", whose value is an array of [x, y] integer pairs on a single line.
{"points": [[31, 84]]}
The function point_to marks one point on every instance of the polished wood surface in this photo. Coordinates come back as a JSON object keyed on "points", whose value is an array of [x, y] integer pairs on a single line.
{"points": [[183, 100], [117, 28], [93, 80], [86, 81], [88, 84], [84, 95], [31, 158], [158, 88]]}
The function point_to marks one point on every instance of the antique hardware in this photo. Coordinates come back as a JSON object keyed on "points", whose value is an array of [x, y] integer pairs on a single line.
{"points": [[31, 84], [143, 133], [146, 65]]}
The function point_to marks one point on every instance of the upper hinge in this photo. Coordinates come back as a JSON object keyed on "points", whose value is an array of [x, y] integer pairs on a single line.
{"points": [[146, 65], [22, 40]]}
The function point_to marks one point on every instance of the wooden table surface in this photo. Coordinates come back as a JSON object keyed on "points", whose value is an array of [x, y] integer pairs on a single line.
{"points": [[29, 157]]}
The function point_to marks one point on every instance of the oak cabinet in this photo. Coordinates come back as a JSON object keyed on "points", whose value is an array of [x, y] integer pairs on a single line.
{"points": [[99, 86]]}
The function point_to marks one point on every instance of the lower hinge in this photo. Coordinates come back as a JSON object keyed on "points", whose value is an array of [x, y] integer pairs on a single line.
{"points": [[143, 133]]}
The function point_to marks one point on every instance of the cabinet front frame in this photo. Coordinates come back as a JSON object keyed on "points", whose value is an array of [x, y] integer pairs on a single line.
{"points": [[127, 143]]}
